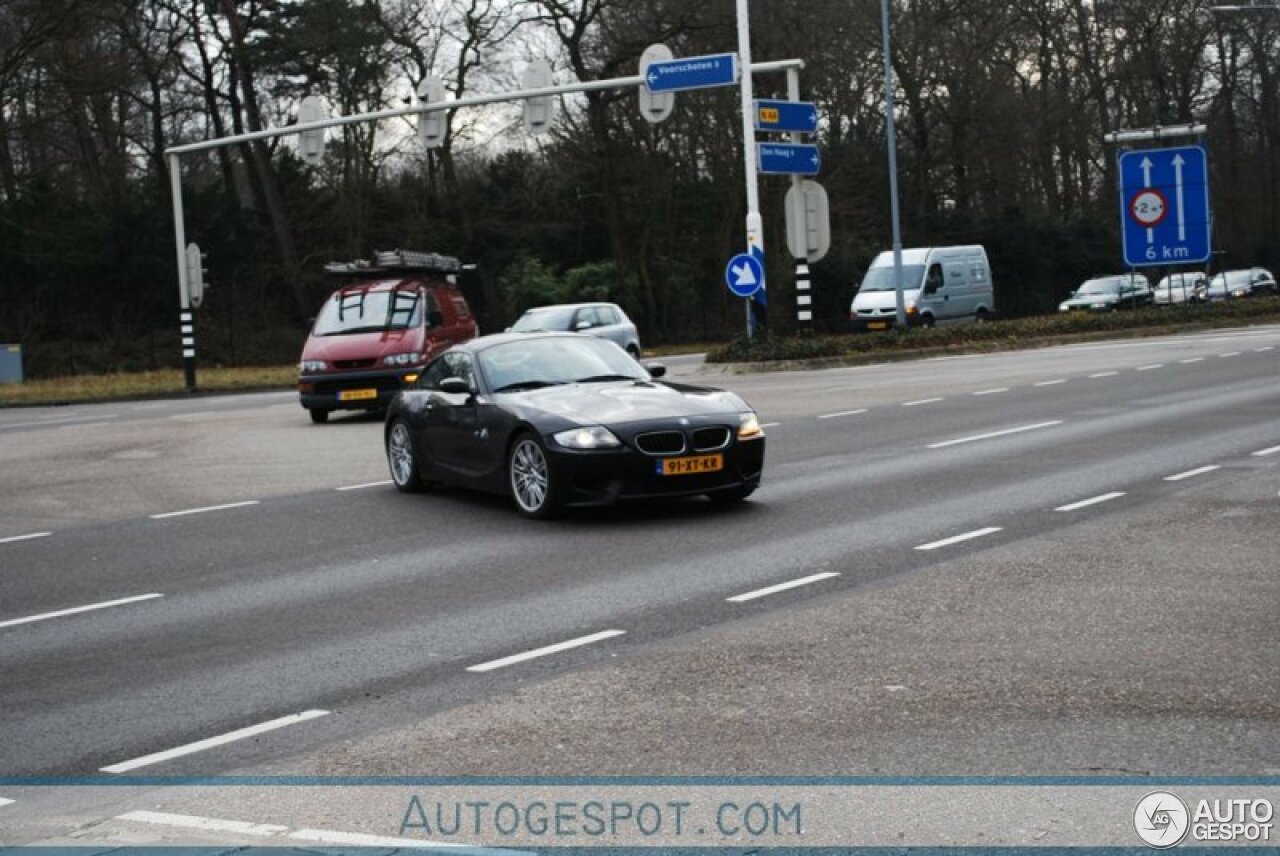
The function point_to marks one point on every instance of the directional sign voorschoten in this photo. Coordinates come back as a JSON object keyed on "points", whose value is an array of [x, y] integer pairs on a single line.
{"points": [[1164, 206], [788, 158], [692, 72], [797, 117]]}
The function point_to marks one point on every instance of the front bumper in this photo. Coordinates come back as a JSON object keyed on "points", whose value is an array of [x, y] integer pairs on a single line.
{"points": [[594, 478], [338, 390]]}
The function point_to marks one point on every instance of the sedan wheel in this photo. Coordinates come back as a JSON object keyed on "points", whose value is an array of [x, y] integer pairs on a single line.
{"points": [[404, 469], [530, 476]]}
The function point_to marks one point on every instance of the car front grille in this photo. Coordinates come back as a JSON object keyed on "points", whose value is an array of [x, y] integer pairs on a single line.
{"points": [[354, 364], [382, 384], [660, 443], [710, 439]]}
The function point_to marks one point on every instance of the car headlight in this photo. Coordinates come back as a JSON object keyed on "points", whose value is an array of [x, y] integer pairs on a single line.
{"points": [[587, 437], [1240, 292], [402, 359], [749, 426], [1101, 305], [312, 366], [1062, 307]]}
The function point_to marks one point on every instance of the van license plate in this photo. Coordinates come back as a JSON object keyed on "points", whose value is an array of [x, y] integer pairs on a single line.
{"points": [[357, 394], [689, 466], [877, 325]]}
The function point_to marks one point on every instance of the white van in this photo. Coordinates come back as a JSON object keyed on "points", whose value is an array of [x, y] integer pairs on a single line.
{"points": [[938, 284]]}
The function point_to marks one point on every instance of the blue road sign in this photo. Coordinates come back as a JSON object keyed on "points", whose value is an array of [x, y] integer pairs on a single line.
{"points": [[1164, 206], [744, 274], [798, 117], [788, 159], [693, 72]]}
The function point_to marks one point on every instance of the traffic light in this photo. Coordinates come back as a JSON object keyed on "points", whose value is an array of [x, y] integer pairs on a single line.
{"points": [[311, 143], [431, 126], [195, 274]]}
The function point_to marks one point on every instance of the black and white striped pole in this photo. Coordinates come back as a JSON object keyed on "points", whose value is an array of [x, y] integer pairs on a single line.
{"points": [[804, 307]]}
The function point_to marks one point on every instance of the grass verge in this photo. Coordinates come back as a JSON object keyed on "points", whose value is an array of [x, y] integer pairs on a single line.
{"points": [[153, 384]]}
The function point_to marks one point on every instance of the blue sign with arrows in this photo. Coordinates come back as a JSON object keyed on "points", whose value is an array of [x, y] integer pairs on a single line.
{"points": [[694, 72], [744, 274], [796, 117], [788, 159], [1164, 206]]}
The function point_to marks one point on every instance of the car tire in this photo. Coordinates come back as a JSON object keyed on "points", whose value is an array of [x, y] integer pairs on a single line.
{"points": [[927, 322], [530, 479], [732, 496], [401, 460], [982, 316]]}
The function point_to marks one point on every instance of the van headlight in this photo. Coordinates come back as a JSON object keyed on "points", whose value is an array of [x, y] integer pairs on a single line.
{"points": [[749, 426], [408, 359], [312, 366], [587, 437]]}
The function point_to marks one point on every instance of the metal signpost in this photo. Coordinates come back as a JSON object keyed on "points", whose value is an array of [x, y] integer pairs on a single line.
{"points": [[1164, 206]]}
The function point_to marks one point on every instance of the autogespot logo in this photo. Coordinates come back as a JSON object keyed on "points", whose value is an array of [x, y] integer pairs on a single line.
{"points": [[1161, 819]]}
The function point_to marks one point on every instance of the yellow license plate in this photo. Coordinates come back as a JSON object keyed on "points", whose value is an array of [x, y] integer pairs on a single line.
{"points": [[877, 325], [689, 466], [357, 394]]}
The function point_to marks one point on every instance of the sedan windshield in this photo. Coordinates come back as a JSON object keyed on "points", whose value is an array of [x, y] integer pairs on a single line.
{"points": [[369, 311], [881, 278], [551, 319], [1232, 277], [1100, 287], [553, 361]]}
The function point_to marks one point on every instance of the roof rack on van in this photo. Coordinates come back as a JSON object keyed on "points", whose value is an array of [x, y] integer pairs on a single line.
{"points": [[397, 260]]}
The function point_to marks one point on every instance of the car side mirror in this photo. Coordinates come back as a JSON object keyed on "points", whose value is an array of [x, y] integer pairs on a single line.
{"points": [[655, 370], [455, 386], [582, 325], [435, 318]]}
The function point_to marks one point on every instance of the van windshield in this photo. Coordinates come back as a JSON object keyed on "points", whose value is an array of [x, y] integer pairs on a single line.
{"points": [[367, 311], [881, 278]]}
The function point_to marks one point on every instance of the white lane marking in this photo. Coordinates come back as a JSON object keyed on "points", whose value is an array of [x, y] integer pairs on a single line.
{"points": [[76, 610], [1150, 367], [1262, 453], [1192, 360], [201, 745], [186, 511], [153, 406], [992, 391], [5, 802], [367, 484], [920, 401], [768, 590], [208, 824], [843, 413], [1229, 354], [956, 539], [1004, 433], [1264, 350], [1104, 374], [1085, 503], [82, 425], [62, 421], [542, 652], [26, 537], [1198, 471], [1054, 382], [770, 424], [356, 839]]}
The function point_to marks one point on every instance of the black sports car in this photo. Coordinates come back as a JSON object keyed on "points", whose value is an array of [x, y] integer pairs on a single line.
{"points": [[558, 420]]}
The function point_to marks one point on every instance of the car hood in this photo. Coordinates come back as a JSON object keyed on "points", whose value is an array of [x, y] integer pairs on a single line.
{"points": [[864, 301], [620, 402], [1091, 299], [360, 346]]}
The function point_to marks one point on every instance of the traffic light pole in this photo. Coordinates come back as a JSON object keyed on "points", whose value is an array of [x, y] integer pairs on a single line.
{"points": [[186, 319]]}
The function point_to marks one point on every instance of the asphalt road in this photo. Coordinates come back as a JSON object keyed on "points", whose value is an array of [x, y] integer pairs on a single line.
{"points": [[1075, 520]]}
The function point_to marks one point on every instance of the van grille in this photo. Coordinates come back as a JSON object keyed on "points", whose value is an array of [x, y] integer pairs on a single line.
{"points": [[709, 439], [660, 443], [354, 364]]}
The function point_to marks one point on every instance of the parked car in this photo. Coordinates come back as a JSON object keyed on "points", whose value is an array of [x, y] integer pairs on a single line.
{"points": [[1186, 287], [1109, 293], [939, 284], [1249, 282], [559, 420], [603, 320], [375, 334]]}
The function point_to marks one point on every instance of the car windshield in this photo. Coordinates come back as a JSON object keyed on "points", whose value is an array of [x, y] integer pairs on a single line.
{"points": [[551, 319], [1176, 281], [881, 278], [1232, 277], [533, 363], [1100, 286], [369, 311]]}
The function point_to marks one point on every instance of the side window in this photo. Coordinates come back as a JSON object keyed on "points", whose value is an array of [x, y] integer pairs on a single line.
{"points": [[436, 372], [430, 305], [978, 272], [460, 307], [460, 367], [587, 315], [934, 280], [612, 314]]}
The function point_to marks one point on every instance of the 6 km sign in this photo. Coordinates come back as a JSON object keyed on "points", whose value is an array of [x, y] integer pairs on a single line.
{"points": [[1164, 206]]}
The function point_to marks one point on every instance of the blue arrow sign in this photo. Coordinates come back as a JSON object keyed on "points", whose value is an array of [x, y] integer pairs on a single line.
{"points": [[797, 117], [1164, 206], [694, 72], [744, 274], [788, 159]]}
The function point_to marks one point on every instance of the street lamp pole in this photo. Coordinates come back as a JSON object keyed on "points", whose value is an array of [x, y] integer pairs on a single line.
{"points": [[755, 223], [891, 135]]}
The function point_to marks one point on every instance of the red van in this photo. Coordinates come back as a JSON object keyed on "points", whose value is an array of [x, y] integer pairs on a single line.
{"points": [[374, 335]]}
